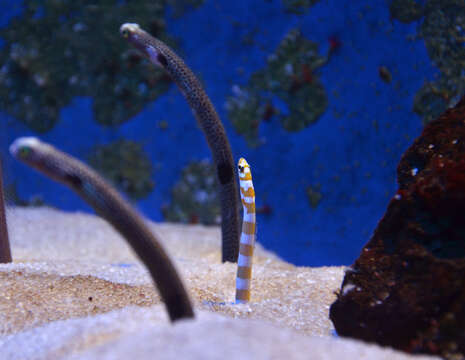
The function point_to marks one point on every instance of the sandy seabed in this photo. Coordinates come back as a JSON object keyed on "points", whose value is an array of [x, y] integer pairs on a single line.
{"points": [[76, 291]]}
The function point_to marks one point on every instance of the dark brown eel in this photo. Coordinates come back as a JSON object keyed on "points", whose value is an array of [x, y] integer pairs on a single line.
{"points": [[109, 204], [5, 251], [160, 54]]}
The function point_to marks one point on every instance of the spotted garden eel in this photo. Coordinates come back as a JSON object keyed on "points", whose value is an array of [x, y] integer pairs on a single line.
{"points": [[161, 55], [107, 202], [5, 251], [247, 242]]}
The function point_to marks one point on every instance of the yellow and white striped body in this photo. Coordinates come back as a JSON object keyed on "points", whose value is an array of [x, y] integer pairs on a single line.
{"points": [[247, 242]]}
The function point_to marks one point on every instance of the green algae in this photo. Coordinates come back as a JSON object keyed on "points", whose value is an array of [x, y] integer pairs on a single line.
{"points": [[125, 164], [290, 79], [56, 50], [180, 7], [194, 198], [443, 30], [314, 195], [298, 6], [245, 110], [428, 102], [405, 11]]}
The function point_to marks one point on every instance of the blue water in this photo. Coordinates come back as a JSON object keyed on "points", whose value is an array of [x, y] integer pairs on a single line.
{"points": [[344, 144]]}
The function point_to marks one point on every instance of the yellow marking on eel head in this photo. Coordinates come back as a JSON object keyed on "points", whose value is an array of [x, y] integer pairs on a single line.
{"points": [[242, 165]]}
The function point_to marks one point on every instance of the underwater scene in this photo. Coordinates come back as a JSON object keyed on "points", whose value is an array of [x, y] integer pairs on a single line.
{"points": [[348, 117], [320, 97]]}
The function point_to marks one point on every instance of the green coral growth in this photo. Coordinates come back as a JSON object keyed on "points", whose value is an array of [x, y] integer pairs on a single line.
{"points": [[443, 31], [179, 7], [194, 198], [314, 195], [429, 103], [59, 49], [290, 78], [298, 6], [405, 11], [125, 164]]}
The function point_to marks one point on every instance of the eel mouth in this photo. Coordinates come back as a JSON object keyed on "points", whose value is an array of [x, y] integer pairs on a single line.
{"points": [[21, 142], [128, 28], [140, 40]]}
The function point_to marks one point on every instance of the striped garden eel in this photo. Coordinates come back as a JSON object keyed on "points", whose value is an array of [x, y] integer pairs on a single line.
{"points": [[107, 202], [161, 55], [247, 243]]}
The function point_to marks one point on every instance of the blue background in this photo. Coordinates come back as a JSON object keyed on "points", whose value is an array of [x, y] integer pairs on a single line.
{"points": [[344, 143]]}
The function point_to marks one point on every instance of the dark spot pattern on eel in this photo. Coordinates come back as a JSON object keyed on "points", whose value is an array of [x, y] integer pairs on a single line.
{"points": [[225, 173], [109, 204], [209, 121]]}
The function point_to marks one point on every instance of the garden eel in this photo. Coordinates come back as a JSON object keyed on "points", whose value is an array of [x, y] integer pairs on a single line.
{"points": [[161, 55], [107, 202], [5, 251], [247, 243]]}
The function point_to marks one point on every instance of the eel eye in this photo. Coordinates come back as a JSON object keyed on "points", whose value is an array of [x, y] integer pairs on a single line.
{"points": [[24, 151], [241, 169], [125, 33]]}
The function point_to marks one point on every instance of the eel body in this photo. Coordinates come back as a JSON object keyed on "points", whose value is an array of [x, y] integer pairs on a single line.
{"points": [[109, 204], [5, 251], [161, 55], [247, 242]]}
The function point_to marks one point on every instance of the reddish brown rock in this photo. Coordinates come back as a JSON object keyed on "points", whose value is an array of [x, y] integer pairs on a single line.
{"points": [[407, 288]]}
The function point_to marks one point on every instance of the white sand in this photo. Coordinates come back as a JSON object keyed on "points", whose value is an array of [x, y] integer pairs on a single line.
{"points": [[75, 291]]}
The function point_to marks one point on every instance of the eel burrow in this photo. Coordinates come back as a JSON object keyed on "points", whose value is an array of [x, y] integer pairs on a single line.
{"points": [[161, 55], [109, 204], [247, 243]]}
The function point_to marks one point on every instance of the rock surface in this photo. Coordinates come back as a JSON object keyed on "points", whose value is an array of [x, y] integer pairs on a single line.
{"points": [[75, 291], [407, 288]]}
